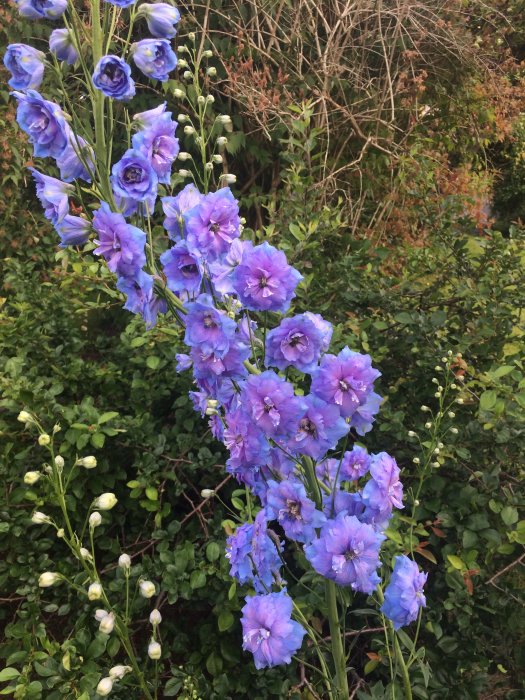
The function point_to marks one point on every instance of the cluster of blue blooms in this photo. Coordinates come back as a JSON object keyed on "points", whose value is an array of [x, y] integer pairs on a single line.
{"points": [[273, 432]]}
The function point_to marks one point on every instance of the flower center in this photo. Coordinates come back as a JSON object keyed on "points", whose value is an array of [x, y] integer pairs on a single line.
{"points": [[132, 174], [343, 385], [294, 508], [263, 282], [188, 271], [208, 321], [308, 427], [215, 228], [350, 555]]}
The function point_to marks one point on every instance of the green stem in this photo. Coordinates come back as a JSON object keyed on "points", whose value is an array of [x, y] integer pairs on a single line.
{"points": [[97, 97], [338, 652], [399, 654]]}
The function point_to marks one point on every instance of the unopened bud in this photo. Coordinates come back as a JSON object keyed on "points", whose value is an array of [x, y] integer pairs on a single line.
{"points": [[39, 518], [217, 158], [88, 462], [222, 141], [416, 460], [416, 502], [181, 118], [208, 53], [178, 93], [210, 99], [207, 493], [436, 465], [94, 591], [106, 501], [224, 118], [453, 386], [183, 63], [59, 462], [191, 36], [100, 614], [184, 155], [436, 450], [229, 178], [460, 401], [441, 445], [411, 433], [201, 99], [44, 439], [85, 554], [124, 561], [105, 686], [95, 519], [118, 672], [48, 578], [184, 173], [31, 478], [61, 533], [455, 431], [25, 417], [154, 650], [425, 409], [187, 75], [435, 380], [451, 414], [155, 617], [107, 624], [211, 71], [438, 368], [428, 425], [209, 166], [189, 130], [147, 589]]}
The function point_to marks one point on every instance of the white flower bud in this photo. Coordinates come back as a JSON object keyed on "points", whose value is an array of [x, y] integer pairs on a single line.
{"points": [[154, 650], [436, 465], [451, 414], [44, 439], [224, 118], [191, 36], [211, 71], [444, 359], [217, 158], [425, 409], [416, 502], [441, 445], [184, 173], [31, 478], [455, 431], [453, 386], [181, 49], [118, 672], [201, 99], [105, 686], [147, 589], [88, 462], [209, 166], [183, 63], [438, 368], [229, 178], [95, 519], [59, 462], [85, 554], [155, 617], [107, 624], [106, 501], [124, 561], [48, 578], [181, 118], [460, 401], [56, 428], [222, 141], [449, 353], [187, 75], [435, 380], [437, 394], [189, 129], [428, 425], [39, 518], [411, 433], [210, 99], [416, 460], [94, 591], [100, 614], [207, 493], [436, 451], [208, 53], [60, 532], [184, 155], [25, 417], [178, 93]]}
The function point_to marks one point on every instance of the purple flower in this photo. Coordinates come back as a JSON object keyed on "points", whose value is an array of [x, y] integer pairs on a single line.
{"points": [[159, 145], [294, 342], [345, 380], [61, 44], [247, 444], [148, 119], [184, 362], [347, 552], [214, 223], [221, 270], [176, 207], [73, 230], [325, 328], [41, 9], [268, 630], [182, 268], [77, 160], [212, 366], [26, 65], [288, 503], [141, 298], [355, 464], [384, 490], [207, 328], [264, 281], [122, 3], [161, 19], [121, 244], [404, 594], [154, 57], [53, 195], [272, 404], [253, 555], [340, 501], [44, 122], [112, 76], [363, 418], [327, 470], [320, 428], [134, 181]]}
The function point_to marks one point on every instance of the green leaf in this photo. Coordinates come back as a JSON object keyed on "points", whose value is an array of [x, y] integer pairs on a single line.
{"points": [[197, 579], [153, 361], [138, 342], [225, 620], [488, 399], [370, 666], [213, 551], [394, 536], [105, 417], [456, 562], [152, 493], [8, 674], [509, 515], [98, 440]]}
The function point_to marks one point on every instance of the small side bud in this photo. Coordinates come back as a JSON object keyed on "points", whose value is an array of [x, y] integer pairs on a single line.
{"points": [[39, 518], [207, 493], [107, 624], [100, 614], [95, 519], [61, 533], [179, 94], [44, 440], [155, 617], [105, 686], [85, 554], [89, 462], [31, 478], [154, 650], [25, 417], [147, 589], [48, 578], [187, 75], [454, 431], [59, 462], [94, 591], [124, 561], [118, 672], [106, 501], [211, 71]]}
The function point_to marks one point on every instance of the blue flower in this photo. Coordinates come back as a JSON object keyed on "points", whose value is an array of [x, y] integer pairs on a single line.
{"points": [[246, 442], [340, 501], [121, 244], [154, 57], [364, 415], [214, 223], [122, 3], [147, 119], [319, 429], [73, 230], [272, 404], [134, 181], [295, 342], [141, 297], [355, 464], [268, 630], [161, 19], [26, 65], [384, 490], [347, 552], [112, 76], [176, 207], [62, 45], [221, 270], [77, 160], [41, 9], [214, 367], [44, 122], [288, 503], [404, 594], [264, 281], [53, 195], [207, 328], [159, 145], [183, 269]]}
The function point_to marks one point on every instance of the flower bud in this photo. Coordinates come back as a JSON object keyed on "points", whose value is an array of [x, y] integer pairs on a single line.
{"points": [[211, 71], [416, 460], [436, 465], [88, 462], [94, 591], [107, 624], [25, 417], [31, 478], [100, 614], [85, 554], [178, 93], [187, 75], [183, 155], [437, 394], [444, 359], [155, 617], [183, 63], [229, 178], [411, 433], [201, 99], [428, 425], [184, 173], [455, 431], [48, 578], [208, 53], [435, 380], [189, 130], [147, 589], [451, 414], [453, 386], [210, 99], [61, 532], [436, 450], [438, 368], [217, 158], [191, 36], [95, 519], [39, 518], [209, 166], [124, 561], [441, 445], [222, 141], [56, 428], [207, 493], [59, 462], [44, 439], [460, 401], [105, 686], [416, 502], [118, 672], [224, 118], [154, 650], [181, 118], [425, 409], [106, 501]]}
